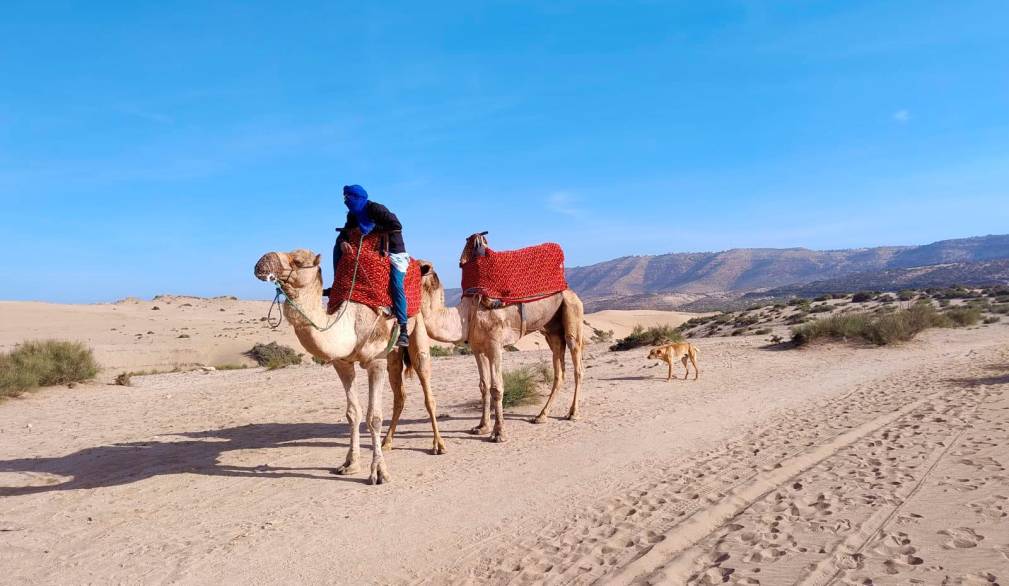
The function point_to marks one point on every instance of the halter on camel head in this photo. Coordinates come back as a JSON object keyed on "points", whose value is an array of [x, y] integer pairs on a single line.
{"points": [[476, 247]]}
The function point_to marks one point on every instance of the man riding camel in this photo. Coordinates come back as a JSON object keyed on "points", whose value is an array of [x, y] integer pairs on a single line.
{"points": [[369, 216]]}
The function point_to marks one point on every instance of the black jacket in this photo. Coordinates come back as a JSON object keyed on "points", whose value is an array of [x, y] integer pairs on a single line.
{"points": [[385, 221]]}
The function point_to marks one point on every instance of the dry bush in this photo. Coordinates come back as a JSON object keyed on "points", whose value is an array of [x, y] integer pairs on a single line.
{"points": [[40, 363], [879, 329], [274, 356], [653, 336]]}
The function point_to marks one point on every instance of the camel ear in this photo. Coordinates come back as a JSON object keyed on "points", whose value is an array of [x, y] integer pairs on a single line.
{"points": [[318, 260]]}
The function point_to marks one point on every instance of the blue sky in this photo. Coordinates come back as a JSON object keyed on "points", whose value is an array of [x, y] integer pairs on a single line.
{"points": [[163, 147]]}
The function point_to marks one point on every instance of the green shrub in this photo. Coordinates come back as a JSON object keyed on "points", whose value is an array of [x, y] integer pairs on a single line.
{"points": [[762, 331], [905, 295], [862, 297], [123, 379], [823, 308], [653, 336], [41, 363], [897, 326], [520, 385], [274, 356], [963, 316]]}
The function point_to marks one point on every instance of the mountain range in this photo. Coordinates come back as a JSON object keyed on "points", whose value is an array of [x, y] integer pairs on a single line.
{"points": [[678, 280]]}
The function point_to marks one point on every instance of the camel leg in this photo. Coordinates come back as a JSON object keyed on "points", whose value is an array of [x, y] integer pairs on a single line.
{"points": [[483, 367], [556, 343], [684, 361], [669, 376], [693, 360], [574, 318], [576, 362], [497, 394], [395, 368], [377, 373], [419, 353], [352, 464]]}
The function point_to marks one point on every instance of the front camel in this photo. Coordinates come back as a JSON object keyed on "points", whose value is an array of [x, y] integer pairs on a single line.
{"points": [[356, 334], [558, 317]]}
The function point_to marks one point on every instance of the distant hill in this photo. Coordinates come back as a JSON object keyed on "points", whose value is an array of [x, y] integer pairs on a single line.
{"points": [[987, 273], [631, 281], [697, 279]]}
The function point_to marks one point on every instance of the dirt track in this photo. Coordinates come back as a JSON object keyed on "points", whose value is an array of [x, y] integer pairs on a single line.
{"points": [[833, 464]]}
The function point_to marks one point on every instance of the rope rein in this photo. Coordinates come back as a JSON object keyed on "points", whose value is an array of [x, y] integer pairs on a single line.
{"points": [[343, 310]]}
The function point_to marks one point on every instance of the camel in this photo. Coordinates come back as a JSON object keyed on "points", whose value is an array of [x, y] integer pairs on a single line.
{"points": [[559, 317], [356, 334]]}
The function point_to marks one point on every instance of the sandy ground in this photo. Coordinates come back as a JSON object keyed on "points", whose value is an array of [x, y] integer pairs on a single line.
{"points": [[185, 332], [833, 464]]}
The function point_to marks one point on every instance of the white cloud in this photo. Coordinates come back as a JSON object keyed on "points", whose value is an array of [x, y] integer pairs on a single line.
{"points": [[564, 203], [902, 116]]}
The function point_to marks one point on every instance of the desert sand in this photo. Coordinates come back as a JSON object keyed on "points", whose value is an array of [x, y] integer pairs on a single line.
{"points": [[832, 464]]}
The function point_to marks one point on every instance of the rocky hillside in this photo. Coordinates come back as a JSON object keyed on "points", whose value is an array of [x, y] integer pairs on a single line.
{"points": [[976, 274], [748, 269]]}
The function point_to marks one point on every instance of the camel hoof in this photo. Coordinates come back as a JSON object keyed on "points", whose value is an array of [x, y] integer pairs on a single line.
{"points": [[346, 470], [479, 430], [386, 446], [439, 449], [497, 437], [573, 417], [379, 476], [539, 419]]}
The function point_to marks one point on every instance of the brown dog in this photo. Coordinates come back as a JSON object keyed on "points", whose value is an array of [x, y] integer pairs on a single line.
{"points": [[679, 351]]}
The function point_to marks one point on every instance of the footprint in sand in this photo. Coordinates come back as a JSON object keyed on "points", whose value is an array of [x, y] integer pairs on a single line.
{"points": [[985, 578], [961, 538]]}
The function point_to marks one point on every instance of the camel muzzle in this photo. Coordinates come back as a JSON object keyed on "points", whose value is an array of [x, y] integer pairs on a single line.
{"points": [[268, 265]]}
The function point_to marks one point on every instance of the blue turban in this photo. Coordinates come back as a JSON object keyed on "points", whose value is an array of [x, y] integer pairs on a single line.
{"points": [[356, 199]]}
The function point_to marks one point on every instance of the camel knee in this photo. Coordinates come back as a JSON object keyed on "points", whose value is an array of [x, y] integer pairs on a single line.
{"points": [[374, 423]]}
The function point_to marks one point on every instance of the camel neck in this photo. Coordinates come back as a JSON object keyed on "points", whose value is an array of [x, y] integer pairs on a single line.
{"points": [[444, 324]]}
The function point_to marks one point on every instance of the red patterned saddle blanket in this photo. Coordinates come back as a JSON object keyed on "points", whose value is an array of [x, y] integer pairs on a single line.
{"points": [[373, 277], [516, 276]]}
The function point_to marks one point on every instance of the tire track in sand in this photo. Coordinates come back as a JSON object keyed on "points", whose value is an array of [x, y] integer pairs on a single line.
{"points": [[612, 534]]}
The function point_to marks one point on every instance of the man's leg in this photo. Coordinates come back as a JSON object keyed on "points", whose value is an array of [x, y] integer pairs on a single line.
{"points": [[336, 263], [400, 263]]}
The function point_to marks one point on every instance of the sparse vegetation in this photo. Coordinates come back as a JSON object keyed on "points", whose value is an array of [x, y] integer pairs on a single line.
{"points": [[991, 319], [232, 366], [889, 328], [862, 297], [41, 363], [274, 355], [519, 386], [963, 316], [455, 350], [600, 336], [123, 379], [653, 336], [510, 348]]}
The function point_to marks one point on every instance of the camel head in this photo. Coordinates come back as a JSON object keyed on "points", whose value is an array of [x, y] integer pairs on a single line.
{"points": [[476, 246], [291, 269], [432, 290]]}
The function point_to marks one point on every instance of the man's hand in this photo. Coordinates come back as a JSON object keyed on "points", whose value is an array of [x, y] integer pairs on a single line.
{"points": [[346, 248]]}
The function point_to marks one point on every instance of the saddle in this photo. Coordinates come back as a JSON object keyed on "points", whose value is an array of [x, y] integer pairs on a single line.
{"points": [[370, 286], [502, 278]]}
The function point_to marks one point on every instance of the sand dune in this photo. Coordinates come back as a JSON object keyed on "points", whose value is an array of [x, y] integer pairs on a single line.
{"points": [[834, 464]]}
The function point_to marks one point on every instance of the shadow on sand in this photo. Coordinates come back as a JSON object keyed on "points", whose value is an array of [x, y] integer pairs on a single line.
{"points": [[197, 453]]}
